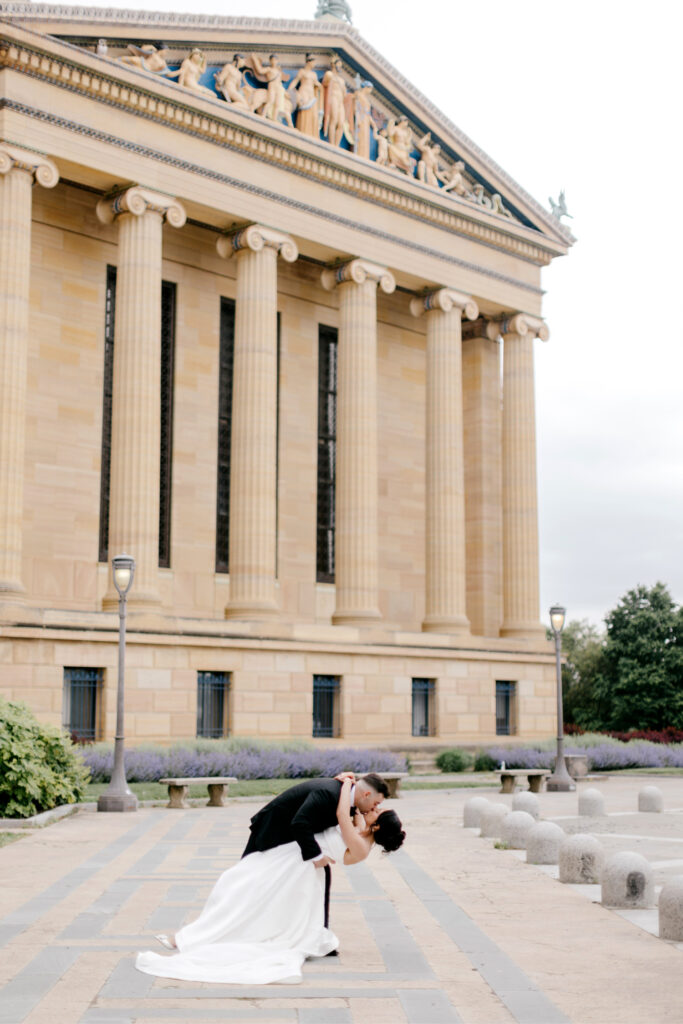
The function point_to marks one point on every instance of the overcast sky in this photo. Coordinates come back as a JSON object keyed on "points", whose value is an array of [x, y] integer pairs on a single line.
{"points": [[586, 97]]}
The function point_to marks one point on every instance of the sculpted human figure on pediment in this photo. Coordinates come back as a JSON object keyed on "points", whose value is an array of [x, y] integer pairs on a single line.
{"points": [[307, 91], [400, 145], [230, 82], [428, 164], [273, 101], [362, 120], [334, 89], [455, 180], [149, 57], [191, 70]]}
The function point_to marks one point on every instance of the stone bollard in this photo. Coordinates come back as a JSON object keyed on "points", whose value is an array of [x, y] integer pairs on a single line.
{"points": [[491, 820], [543, 843], [671, 910], [627, 881], [591, 803], [650, 799], [515, 829], [582, 859], [526, 801], [471, 813]]}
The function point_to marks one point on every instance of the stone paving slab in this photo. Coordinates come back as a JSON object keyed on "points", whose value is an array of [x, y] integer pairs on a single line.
{"points": [[448, 931]]}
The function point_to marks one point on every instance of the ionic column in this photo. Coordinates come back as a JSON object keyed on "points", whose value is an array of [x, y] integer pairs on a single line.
{"points": [[19, 168], [136, 405], [520, 500], [356, 471], [445, 490], [253, 450]]}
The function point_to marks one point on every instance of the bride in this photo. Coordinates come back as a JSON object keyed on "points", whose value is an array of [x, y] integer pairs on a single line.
{"points": [[264, 916]]}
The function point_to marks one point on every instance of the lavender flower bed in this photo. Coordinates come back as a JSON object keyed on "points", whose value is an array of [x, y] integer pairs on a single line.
{"points": [[601, 756], [147, 764]]}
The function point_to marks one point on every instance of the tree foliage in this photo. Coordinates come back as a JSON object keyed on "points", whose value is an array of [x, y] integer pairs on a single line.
{"points": [[632, 678], [39, 766]]}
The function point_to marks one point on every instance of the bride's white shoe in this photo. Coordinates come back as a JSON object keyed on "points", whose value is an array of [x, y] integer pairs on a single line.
{"points": [[166, 942]]}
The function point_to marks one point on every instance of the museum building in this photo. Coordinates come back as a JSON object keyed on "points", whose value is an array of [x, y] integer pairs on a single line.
{"points": [[268, 323]]}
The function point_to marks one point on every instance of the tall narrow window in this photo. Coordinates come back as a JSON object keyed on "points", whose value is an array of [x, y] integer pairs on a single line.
{"points": [[81, 703], [212, 704], [168, 321], [505, 709], [225, 374], [327, 451], [105, 460], [326, 706], [424, 719]]}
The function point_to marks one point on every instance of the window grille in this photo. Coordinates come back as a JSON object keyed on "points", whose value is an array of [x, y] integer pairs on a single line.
{"points": [[212, 704], [105, 461], [423, 707], [327, 452], [168, 322], [505, 697], [80, 703], [225, 375], [325, 706]]}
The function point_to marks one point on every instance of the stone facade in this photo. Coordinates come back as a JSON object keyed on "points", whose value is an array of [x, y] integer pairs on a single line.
{"points": [[437, 302]]}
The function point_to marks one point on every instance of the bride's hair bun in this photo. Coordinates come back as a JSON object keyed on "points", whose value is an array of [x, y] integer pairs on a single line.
{"points": [[389, 831]]}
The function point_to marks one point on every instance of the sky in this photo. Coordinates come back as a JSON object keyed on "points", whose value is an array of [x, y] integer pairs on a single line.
{"points": [[586, 97]]}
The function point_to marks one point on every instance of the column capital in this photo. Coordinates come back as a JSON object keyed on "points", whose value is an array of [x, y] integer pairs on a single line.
{"points": [[524, 324], [40, 167], [358, 271], [138, 200], [444, 299], [257, 237], [481, 328]]}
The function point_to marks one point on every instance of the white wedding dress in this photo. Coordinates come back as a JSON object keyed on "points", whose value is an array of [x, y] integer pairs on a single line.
{"points": [[263, 917]]}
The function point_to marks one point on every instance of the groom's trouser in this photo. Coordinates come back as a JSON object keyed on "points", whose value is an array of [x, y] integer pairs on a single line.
{"points": [[328, 884]]}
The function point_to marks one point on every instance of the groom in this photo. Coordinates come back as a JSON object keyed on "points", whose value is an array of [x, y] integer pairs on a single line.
{"points": [[310, 807]]}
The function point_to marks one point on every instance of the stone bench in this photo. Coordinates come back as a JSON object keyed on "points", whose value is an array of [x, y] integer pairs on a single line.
{"points": [[393, 781], [535, 777], [217, 786]]}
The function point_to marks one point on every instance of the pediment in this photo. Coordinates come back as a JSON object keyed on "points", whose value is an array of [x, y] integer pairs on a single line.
{"points": [[347, 100]]}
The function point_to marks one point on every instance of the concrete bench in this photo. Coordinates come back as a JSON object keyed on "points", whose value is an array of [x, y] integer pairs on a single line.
{"points": [[217, 786], [535, 776], [393, 781]]}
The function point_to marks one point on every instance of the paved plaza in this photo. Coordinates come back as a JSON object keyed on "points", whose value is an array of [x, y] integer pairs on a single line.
{"points": [[449, 930]]}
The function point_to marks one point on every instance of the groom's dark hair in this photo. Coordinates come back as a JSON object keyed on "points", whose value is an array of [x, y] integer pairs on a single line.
{"points": [[377, 783]]}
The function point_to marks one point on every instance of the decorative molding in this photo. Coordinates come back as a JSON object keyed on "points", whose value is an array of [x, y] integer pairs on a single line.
{"points": [[445, 299], [42, 169], [138, 200], [257, 237], [358, 271], [152, 19], [524, 324], [243, 132]]}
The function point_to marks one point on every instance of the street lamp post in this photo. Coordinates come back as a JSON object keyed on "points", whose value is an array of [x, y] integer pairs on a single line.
{"points": [[117, 796], [560, 779]]}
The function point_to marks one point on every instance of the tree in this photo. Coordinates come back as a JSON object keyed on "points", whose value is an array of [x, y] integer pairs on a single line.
{"points": [[582, 646], [639, 679]]}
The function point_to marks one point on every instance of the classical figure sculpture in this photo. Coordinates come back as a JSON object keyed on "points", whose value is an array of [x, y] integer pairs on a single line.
{"points": [[272, 102], [336, 8], [559, 208], [149, 57], [229, 82], [306, 87], [497, 205], [455, 180], [400, 145], [428, 164], [102, 48], [362, 120], [334, 88], [191, 70], [382, 146]]}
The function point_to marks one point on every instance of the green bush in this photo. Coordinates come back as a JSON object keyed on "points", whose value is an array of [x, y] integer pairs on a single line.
{"points": [[453, 760], [483, 762], [39, 765]]}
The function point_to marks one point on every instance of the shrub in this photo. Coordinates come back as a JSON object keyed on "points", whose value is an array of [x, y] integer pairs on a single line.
{"points": [[453, 760], [483, 762], [39, 766], [247, 759]]}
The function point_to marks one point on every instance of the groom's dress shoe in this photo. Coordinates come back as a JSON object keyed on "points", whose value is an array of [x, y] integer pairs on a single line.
{"points": [[333, 952]]}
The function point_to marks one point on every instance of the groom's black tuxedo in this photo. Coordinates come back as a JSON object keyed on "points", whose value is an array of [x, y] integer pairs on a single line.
{"points": [[295, 816]]}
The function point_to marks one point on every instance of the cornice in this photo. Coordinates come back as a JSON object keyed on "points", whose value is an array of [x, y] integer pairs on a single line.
{"points": [[266, 141], [342, 31]]}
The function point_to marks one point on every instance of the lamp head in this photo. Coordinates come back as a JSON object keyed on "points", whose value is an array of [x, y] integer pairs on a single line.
{"points": [[557, 614], [124, 570]]}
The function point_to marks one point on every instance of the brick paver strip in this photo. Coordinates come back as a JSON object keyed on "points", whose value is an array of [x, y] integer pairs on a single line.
{"points": [[428, 1005], [521, 996], [29, 986]]}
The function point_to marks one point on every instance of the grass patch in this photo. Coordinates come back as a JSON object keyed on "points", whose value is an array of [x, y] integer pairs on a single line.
{"points": [[456, 783], [10, 837], [643, 771]]}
